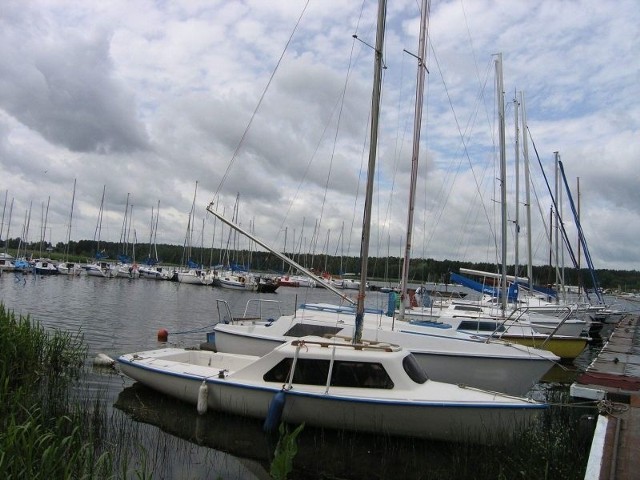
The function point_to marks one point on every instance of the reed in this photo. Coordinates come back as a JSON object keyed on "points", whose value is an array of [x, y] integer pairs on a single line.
{"points": [[46, 430]]}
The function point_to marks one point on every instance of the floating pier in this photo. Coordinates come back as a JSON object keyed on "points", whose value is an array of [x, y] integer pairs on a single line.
{"points": [[613, 379]]}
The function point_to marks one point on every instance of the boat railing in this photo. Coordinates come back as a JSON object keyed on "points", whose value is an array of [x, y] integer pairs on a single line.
{"points": [[225, 315], [346, 341], [258, 304]]}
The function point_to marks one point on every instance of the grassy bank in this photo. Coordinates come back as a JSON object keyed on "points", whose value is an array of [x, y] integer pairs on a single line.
{"points": [[44, 433], [54, 426]]}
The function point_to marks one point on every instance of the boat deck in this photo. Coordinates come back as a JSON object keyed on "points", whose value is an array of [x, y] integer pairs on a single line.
{"points": [[613, 378]]}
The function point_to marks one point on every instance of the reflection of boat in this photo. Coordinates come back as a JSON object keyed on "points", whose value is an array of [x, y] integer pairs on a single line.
{"points": [[243, 448], [332, 383]]}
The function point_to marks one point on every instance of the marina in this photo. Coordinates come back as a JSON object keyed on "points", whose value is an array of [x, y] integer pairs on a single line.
{"points": [[120, 315]]}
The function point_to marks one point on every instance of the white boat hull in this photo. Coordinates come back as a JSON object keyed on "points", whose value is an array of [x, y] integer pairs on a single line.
{"points": [[444, 412]]}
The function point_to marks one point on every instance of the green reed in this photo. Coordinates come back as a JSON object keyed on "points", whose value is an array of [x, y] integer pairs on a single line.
{"points": [[45, 431], [53, 427]]}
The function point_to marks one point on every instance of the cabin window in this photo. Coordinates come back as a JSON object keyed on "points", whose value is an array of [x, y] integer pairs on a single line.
{"points": [[360, 375], [304, 329], [467, 308], [414, 369], [345, 374], [308, 372], [481, 326]]}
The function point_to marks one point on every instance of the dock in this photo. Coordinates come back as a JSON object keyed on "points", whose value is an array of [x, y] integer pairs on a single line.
{"points": [[613, 380]]}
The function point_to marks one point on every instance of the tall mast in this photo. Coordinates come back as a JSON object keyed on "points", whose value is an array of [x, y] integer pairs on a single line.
{"points": [[73, 201], [373, 144], [527, 189], [516, 160], [503, 176], [417, 126], [579, 239], [556, 242]]}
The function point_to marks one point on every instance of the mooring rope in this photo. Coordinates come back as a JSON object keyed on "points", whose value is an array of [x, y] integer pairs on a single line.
{"points": [[195, 330]]}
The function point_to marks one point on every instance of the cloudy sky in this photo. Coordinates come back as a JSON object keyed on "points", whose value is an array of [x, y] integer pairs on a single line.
{"points": [[266, 106]]}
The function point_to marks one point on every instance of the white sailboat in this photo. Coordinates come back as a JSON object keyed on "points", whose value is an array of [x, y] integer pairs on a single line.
{"points": [[66, 267], [331, 383], [99, 267], [446, 354], [355, 384]]}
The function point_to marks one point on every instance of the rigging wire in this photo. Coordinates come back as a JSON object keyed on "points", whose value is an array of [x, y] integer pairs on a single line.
{"points": [[337, 131], [255, 111]]}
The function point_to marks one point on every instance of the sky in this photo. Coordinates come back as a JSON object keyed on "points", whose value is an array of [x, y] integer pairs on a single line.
{"points": [[263, 110]]}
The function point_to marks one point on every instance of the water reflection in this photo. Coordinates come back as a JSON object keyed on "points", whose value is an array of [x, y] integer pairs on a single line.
{"points": [[321, 453]]}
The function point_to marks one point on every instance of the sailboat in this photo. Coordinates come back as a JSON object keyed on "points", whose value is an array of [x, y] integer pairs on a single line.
{"points": [[150, 268], [66, 267], [448, 355], [521, 328], [352, 383], [42, 265], [99, 267], [191, 272]]}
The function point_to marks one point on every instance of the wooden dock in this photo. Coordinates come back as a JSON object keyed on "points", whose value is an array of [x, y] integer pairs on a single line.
{"points": [[613, 379]]}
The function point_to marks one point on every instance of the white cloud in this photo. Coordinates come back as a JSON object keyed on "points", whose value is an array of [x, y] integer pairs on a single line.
{"points": [[149, 97]]}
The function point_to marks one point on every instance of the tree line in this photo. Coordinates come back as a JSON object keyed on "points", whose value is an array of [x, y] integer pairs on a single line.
{"points": [[379, 268]]}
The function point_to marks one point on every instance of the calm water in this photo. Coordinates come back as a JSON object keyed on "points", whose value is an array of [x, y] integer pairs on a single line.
{"points": [[119, 316]]}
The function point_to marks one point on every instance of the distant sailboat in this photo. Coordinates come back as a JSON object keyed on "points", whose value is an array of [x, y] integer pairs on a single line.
{"points": [[66, 267], [99, 267]]}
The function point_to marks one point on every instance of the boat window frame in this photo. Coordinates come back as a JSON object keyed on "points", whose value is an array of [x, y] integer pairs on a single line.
{"points": [[345, 373]]}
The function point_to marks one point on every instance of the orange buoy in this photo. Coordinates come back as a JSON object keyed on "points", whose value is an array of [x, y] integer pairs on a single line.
{"points": [[163, 335]]}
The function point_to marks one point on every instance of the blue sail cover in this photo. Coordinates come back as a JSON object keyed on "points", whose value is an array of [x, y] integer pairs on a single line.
{"points": [[473, 285], [512, 293]]}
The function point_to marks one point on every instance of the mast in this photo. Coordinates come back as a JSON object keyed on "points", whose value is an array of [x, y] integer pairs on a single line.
{"points": [[527, 188], [373, 144], [417, 126], [73, 200], [579, 239], [503, 175], [4, 209], [516, 259], [556, 241]]}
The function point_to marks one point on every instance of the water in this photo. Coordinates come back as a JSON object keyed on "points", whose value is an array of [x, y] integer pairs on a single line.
{"points": [[118, 316]]}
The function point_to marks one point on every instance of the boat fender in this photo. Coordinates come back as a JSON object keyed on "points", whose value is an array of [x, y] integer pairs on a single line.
{"points": [[163, 335], [203, 393], [274, 414], [103, 360]]}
